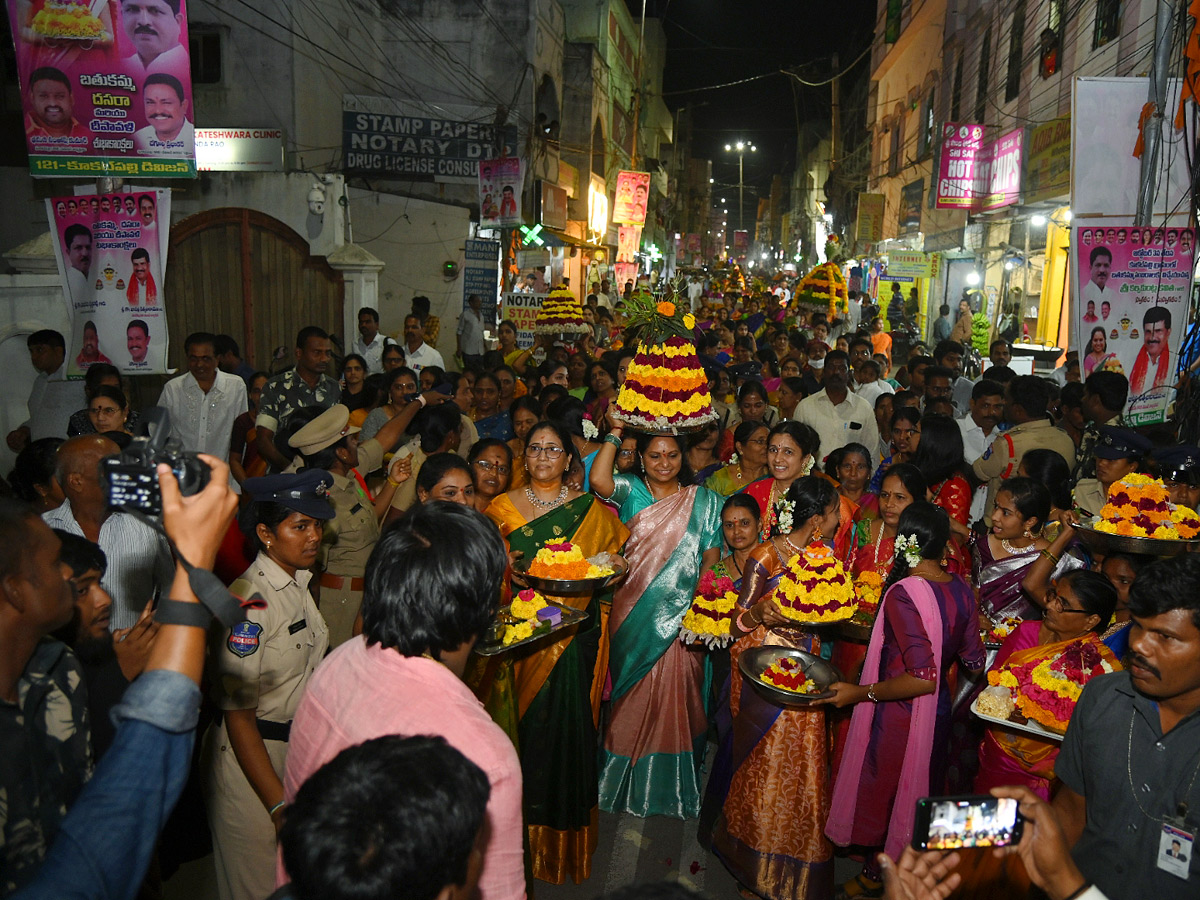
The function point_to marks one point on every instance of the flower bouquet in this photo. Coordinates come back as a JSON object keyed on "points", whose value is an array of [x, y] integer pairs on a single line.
{"points": [[868, 591], [1046, 686], [707, 621]]}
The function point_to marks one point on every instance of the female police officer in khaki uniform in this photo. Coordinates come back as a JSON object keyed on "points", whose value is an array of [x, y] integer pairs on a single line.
{"points": [[259, 671]]}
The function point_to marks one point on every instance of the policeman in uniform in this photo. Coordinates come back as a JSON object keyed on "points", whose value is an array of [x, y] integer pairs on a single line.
{"points": [[330, 442], [1003, 456], [1113, 444], [259, 670], [1179, 468]]}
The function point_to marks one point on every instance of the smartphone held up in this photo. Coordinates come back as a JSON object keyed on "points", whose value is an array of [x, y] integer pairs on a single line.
{"points": [[962, 822]]}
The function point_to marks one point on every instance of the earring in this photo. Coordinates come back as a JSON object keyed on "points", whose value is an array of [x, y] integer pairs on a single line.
{"points": [[1028, 534], [816, 535]]}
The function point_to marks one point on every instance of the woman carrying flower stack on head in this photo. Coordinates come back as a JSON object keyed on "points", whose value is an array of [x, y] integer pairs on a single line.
{"points": [[769, 831], [549, 699], [896, 750], [654, 744]]}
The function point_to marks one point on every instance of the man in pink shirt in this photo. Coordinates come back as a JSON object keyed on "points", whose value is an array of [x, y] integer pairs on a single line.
{"points": [[432, 588]]}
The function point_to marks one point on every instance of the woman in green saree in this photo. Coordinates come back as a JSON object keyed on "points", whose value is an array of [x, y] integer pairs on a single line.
{"points": [[749, 464], [654, 742], [548, 697]]}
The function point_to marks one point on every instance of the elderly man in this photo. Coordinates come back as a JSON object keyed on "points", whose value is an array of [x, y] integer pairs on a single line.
{"points": [[139, 561], [205, 402]]}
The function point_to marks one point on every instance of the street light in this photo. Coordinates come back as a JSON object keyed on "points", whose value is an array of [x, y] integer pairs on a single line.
{"points": [[741, 147]]}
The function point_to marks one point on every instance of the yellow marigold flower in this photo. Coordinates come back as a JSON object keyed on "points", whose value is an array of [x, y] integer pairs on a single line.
{"points": [[689, 321]]}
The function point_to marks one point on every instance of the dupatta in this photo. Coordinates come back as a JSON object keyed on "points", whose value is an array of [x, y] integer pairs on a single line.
{"points": [[914, 775]]}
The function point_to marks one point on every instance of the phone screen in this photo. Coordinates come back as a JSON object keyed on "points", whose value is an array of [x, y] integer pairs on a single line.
{"points": [[953, 823]]}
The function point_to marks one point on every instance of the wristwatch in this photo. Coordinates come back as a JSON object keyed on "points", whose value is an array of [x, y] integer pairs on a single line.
{"points": [[871, 693]]}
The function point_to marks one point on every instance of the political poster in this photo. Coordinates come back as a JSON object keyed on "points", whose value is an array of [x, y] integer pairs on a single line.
{"points": [[112, 251], [1131, 303], [633, 192], [106, 87], [522, 310], [629, 238], [500, 182]]}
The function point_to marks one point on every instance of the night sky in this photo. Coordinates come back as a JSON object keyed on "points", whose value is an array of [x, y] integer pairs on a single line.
{"points": [[716, 41]]}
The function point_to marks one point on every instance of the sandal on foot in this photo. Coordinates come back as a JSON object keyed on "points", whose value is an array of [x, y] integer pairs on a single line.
{"points": [[860, 888]]}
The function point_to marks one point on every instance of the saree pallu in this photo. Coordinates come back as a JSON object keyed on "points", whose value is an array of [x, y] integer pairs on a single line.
{"points": [[999, 581], [770, 831], [548, 698], [654, 742]]}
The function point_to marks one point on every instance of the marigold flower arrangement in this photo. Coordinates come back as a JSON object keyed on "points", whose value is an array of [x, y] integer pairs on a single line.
{"points": [[665, 387], [1047, 686], [67, 19], [1139, 506], [524, 608], [868, 591], [787, 673], [707, 621], [561, 313], [564, 561], [815, 588], [1001, 630]]}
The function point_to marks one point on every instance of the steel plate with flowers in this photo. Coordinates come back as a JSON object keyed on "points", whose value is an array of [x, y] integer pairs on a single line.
{"points": [[529, 618], [809, 676], [612, 568]]}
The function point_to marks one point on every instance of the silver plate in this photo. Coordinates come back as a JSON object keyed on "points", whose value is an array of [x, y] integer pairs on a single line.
{"points": [[1029, 727], [579, 586], [752, 663], [492, 642]]}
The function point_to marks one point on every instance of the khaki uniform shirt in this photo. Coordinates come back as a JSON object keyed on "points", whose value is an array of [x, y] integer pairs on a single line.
{"points": [[265, 662], [351, 535], [1003, 457], [406, 495], [1090, 495]]}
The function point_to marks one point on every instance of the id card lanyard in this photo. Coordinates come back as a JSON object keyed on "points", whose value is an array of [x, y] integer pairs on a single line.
{"points": [[1176, 843]]}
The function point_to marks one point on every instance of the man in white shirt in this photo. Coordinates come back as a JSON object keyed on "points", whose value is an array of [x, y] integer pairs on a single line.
{"points": [[417, 353], [1096, 290], [979, 427], [470, 332], [370, 343], [838, 416], [53, 398], [205, 402], [78, 257]]}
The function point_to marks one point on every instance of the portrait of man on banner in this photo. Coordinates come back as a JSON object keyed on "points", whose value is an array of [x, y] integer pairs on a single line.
{"points": [[633, 192]]}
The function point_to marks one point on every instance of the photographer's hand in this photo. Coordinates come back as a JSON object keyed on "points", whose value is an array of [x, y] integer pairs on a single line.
{"points": [[919, 876], [1043, 847]]}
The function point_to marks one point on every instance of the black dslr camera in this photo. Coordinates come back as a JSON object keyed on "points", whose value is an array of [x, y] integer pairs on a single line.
{"points": [[131, 475]]}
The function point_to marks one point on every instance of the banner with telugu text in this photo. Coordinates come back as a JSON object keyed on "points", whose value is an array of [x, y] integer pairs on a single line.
{"points": [[106, 87], [522, 310], [111, 252]]}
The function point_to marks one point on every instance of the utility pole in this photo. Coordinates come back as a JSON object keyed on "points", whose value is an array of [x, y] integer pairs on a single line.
{"points": [[741, 147], [1159, 70], [835, 102], [637, 89]]}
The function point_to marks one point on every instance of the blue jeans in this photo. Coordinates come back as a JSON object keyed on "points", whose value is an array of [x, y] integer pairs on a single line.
{"points": [[103, 847]]}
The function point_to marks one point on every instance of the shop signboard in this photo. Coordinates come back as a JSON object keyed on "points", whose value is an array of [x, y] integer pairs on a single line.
{"points": [[103, 91], [380, 137], [1048, 161], [522, 310], [239, 149], [999, 172], [111, 251], [869, 228], [1131, 302], [500, 182], [481, 269], [633, 192], [962, 143], [910, 206], [552, 205], [907, 263]]}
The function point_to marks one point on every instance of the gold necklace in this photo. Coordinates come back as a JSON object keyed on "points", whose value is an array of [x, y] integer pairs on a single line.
{"points": [[1011, 550]]}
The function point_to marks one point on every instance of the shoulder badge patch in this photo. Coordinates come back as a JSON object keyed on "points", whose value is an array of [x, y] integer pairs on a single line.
{"points": [[243, 639]]}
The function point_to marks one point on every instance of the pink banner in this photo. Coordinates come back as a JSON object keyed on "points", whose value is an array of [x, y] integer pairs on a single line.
{"points": [[629, 237], [106, 87], [633, 192], [999, 172], [500, 192], [961, 147]]}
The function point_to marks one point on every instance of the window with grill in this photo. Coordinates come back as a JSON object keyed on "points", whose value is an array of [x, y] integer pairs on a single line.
{"points": [[1108, 22], [204, 44], [981, 86], [894, 149], [1016, 45], [925, 136]]}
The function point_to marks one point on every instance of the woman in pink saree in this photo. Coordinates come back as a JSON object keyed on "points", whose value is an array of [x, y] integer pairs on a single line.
{"points": [[654, 743]]}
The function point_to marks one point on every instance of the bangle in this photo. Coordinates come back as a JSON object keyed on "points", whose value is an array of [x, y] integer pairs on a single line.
{"points": [[1083, 888], [1050, 556], [871, 693], [278, 806], [743, 625], [393, 482], [421, 399], [613, 439]]}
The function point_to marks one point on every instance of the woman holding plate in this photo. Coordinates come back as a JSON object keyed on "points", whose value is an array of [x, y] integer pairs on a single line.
{"points": [[769, 831], [548, 700], [896, 749], [654, 744]]}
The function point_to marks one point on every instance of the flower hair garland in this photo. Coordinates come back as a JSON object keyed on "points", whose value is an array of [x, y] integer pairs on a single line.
{"points": [[734, 459], [590, 431], [783, 515], [906, 545], [808, 467]]}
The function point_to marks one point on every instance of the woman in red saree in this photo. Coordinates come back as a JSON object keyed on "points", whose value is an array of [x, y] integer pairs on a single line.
{"points": [[940, 457]]}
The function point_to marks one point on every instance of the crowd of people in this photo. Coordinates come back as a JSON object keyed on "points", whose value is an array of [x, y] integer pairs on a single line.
{"points": [[382, 499]]}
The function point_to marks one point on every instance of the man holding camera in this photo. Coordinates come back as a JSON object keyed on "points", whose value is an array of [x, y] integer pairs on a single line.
{"points": [[139, 561]]}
